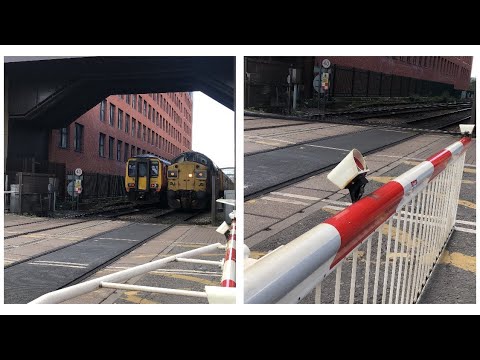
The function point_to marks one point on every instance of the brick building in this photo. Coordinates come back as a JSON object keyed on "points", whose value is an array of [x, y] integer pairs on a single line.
{"points": [[453, 70], [102, 139]]}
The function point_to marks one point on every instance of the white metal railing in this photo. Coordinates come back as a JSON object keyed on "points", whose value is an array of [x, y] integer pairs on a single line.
{"points": [[394, 263], [381, 249]]}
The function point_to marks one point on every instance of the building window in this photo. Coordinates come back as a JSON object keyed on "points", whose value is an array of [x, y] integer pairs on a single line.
{"points": [[127, 123], [112, 114], [156, 140], [119, 150], [103, 106], [139, 151], [63, 138], [132, 151], [149, 112], [127, 99], [149, 136], [145, 108], [134, 101], [78, 138], [156, 122], [139, 130], [111, 142], [120, 119], [139, 104], [126, 152], [101, 145], [144, 138], [134, 123]]}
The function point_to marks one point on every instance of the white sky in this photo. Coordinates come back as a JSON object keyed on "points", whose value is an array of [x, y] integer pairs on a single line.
{"points": [[213, 130]]}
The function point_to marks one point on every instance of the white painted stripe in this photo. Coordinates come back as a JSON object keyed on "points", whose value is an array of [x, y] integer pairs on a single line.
{"points": [[471, 223], [333, 207], [415, 176], [410, 158], [301, 197], [58, 265], [327, 147], [60, 262], [397, 131], [284, 201], [455, 148], [334, 202], [470, 231], [116, 239]]}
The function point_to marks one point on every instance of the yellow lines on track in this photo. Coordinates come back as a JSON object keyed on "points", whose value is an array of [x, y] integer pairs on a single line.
{"points": [[413, 163], [132, 297], [189, 278], [468, 182], [257, 254], [470, 171], [467, 203], [381, 179], [461, 261]]}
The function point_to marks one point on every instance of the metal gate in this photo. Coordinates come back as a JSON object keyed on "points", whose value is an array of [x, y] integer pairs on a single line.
{"points": [[399, 231]]}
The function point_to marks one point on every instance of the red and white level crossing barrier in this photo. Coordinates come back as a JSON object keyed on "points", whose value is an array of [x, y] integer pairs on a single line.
{"points": [[415, 213], [230, 260]]}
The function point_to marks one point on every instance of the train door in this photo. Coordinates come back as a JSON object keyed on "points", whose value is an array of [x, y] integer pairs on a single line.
{"points": [[143, 179]]}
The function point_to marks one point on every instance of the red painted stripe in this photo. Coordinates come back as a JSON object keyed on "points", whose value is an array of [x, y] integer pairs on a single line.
{"points": [[440, 161], [359, 220], [228, 283], [232, 237], [465, 141], [231, 254]]}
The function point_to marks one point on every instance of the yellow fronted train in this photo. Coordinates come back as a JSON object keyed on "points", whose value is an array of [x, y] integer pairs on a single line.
{"points": [[190, 182], [146, 178]]}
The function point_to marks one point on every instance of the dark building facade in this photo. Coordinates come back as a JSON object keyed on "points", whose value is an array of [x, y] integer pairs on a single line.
{"points": [[452, 70], [121, 126], [355, 76]]}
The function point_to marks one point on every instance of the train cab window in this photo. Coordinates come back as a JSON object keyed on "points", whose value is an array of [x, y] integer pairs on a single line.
{"points": [[202, 160], [142, 169], [154, 169], [132, 169]]}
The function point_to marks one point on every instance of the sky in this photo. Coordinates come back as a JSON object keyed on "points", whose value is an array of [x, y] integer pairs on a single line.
{"points": [[213, 130]]}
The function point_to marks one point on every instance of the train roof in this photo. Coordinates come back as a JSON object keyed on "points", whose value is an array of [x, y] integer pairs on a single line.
{"points": [[150, 156], [192, 154]]}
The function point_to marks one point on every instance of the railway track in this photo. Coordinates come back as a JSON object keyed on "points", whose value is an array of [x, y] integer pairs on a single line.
{"points": [[27, 279], [301, 161]]}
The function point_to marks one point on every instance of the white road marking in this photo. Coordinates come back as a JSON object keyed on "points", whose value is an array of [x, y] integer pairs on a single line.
{"points": [[470, 231], [471, 223], [410, 158], [285, 201], [333, 202], [301, 197], [333, 207], [397, 131], [59, 262], [327, 147], [116, 239], [58, 265]]}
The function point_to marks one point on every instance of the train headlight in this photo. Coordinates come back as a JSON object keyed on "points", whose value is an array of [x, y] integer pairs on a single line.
{"points": [[131, 185], [172, 174], [201, 174], [190, 175]]}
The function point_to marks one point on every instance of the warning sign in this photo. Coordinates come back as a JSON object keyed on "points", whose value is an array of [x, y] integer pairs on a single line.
{"points": [[78, 186]]}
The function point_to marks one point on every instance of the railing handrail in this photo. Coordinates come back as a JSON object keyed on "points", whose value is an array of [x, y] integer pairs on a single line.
{"points": [[291, 272]]}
